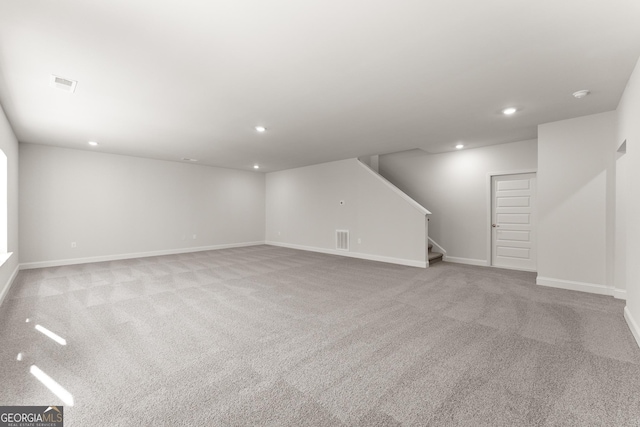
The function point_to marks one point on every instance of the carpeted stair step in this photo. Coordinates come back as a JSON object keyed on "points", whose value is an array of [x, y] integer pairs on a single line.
{"points": [[433, 256]]}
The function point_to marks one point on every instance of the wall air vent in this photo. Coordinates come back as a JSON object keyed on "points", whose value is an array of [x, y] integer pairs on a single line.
{"points": [[342, 240], [62, 83]]}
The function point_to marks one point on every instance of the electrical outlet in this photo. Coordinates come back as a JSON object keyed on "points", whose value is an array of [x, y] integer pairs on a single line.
{"points": [[359, 240], [194, 237], [73, 245], [279, 233]]}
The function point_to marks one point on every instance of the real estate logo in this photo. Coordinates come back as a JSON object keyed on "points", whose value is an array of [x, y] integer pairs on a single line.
{"points": [[31, 416]]}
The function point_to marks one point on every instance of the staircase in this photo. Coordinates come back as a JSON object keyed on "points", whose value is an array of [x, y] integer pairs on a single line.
{"points": [[370, 164], [433, 256]]}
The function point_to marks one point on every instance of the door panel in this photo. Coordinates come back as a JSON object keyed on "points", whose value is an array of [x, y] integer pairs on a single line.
{"points": [[516, 184], [513, 202], [518, 236], [523, 253], [513, 221], [504, 218]]}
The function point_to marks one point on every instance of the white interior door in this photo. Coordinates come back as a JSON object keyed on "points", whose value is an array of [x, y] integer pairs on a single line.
{"points": [[513, 231]]}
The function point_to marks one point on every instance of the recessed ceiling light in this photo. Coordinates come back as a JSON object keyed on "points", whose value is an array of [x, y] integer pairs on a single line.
{"points": [[581, 93], [92, 143], [460, 146], [509, 111], [261, 128], [187, 159], [256, 166]]}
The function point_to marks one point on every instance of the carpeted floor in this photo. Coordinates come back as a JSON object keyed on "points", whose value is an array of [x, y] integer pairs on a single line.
{"points": [[270, 336]]}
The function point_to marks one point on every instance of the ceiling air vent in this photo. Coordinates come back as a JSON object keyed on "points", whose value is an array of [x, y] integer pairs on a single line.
{"points": [[62, 83], [342, 240]]}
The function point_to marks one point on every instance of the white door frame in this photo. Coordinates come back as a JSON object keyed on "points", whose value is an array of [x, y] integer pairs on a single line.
{"points": [[489, 193]]}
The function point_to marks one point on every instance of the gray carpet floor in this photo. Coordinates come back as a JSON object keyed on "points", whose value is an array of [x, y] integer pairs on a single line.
{"points": [[266, 336]]}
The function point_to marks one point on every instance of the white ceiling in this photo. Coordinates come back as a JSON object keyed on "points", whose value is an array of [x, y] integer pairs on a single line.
{"points": [[329, 79]]}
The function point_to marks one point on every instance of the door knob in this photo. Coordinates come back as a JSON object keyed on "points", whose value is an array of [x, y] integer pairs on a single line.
{"points": [[494, 225]]}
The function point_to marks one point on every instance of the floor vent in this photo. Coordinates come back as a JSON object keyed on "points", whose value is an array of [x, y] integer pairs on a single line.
{"points": [[342, 240]]}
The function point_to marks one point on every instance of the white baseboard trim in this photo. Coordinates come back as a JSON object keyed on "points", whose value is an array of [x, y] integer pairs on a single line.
{"points": [[620, 294], [512, 268], [591, 288], [7, 286], [87, 260], [468, 261], [633, 325], [370, 257]]}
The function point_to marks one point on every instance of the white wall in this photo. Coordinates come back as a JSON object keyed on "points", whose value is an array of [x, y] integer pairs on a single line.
{"points": [[629, 130], [303, 211], [575, 202], [9, 144], [454, 187], [116, 206], [619, 278]]}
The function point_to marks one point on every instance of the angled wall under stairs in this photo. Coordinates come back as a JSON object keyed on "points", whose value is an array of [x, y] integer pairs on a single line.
{"points": [[308, 207]]}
